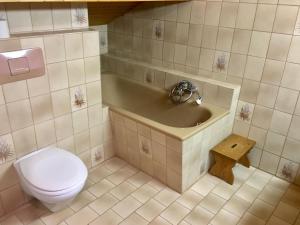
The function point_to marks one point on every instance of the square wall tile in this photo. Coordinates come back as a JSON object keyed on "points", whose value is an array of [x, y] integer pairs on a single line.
{"points": [[279, 46], [267, 95], [4, 126], [91, 44], [285, 19], [76, 72], [19, 114], [92, 68], [229, 14], [61, 102], [41, 16], [198, 12], [246, 15], [280, 122], [10, 93], [182, 31], [61, 14], [262, 117], [93, 91], [82, 141], [290, 150], [225, 37], [254, 68], [19, 19], [45, 133], [63, 127], [74, 46], [291, 76], [58, 76], [195, 35], [294, 55], [294, 131], [212, 13], [274, 143], [259, 44], [269, 162], [80, 120], [41, 108], [241, 41], [25, 141], [54, 48], [38, 86], [286, 100], [273, 72], [264, 17]]}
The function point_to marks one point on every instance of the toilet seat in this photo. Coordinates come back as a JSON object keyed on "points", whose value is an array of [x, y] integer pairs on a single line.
{"points": [[45, 175]]}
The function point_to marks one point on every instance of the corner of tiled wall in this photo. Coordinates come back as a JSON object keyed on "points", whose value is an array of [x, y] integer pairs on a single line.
{"points": [[63, 108], [252, 43]]}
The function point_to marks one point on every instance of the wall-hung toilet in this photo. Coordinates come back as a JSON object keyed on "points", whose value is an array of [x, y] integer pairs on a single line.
{"points": [[52, 175]]}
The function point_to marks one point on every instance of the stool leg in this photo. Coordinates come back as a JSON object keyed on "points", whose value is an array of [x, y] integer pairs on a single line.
{"points": [[245, 161], [222, 168]]}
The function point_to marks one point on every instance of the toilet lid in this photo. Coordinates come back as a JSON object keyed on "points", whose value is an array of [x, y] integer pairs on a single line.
{"points": [[53, 169]]}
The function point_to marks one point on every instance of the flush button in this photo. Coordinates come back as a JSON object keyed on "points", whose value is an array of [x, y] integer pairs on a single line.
{"points": [[18, 66]]}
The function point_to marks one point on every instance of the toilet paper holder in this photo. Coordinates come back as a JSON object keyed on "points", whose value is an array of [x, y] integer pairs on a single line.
{"points": [[21, 64]]}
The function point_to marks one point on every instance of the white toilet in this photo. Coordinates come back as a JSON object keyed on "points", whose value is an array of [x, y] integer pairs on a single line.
{"points": [[52, 175]]}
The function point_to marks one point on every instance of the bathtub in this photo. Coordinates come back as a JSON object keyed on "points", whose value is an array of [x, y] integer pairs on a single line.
{"points": [[167, 141], [153, 107]]}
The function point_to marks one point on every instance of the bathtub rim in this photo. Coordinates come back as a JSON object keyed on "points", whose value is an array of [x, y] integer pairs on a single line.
{"points": [[176, 132]]}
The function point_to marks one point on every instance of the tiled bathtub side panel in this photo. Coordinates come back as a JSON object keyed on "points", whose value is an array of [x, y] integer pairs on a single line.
{"points": [[148, 149], [42, 112]]}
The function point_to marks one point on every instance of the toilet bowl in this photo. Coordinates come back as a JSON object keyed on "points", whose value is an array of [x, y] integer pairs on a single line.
{"points": [[52, 175]]}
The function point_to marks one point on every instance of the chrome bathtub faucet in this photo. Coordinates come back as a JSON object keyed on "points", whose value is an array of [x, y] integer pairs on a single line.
{"points": [[183, 91]]}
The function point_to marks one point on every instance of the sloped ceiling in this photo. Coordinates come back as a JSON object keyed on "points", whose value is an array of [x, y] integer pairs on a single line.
{"points": [[104, 12]]}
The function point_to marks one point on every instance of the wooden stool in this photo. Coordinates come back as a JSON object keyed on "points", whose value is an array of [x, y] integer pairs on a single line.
{"points": [[231, 150]]}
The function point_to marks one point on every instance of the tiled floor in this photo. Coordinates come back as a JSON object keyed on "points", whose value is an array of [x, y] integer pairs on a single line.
{"points": [[117, 193]]}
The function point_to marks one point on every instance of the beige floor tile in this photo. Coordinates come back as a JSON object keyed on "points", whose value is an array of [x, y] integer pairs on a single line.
{"points": [[237, 206], [103, 203], [224, 190], [139, 179], [107, 218], [286, 212], [242, 173], [121, 175], [175, 213], [101, 188], [114, 164], [156, 184], [247, 193], [259, 179], [122, 190], [99, 173], [261, 209], [276, 221], [134, 219], [292, 196], [144, 193], [190, 199], [57, 217], [271, 195], [125, 207], [212, 202], [37, 222], [82, 200], [159, 221], [249, 219], [31, 213], [167, 196], [150, 209], [203, 187], [12, 220], [224, 217], [278, 183], [82, 217], [199, 216]]}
